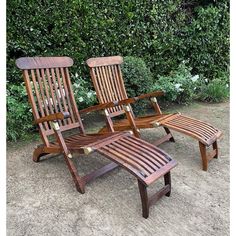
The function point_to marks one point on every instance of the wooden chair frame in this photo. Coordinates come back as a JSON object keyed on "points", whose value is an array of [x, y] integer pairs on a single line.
{"points": [[55, 112], [108, 82]]}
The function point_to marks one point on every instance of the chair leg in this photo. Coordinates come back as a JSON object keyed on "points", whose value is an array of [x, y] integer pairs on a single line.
{"points": [[165, 138], [215, 147], [38, 152], [168, 132], [158, 112], [144, 199], [204, 156], [79, 183], [167, 180]]}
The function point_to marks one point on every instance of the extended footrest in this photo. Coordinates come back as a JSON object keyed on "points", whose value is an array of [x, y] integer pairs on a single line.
{"points": [[145, 161], [142, 159], [205, 133], [202, 131]]}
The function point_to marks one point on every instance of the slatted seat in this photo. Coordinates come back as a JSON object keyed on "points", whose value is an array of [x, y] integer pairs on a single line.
{"points": [[109, 85], [55, 112]]}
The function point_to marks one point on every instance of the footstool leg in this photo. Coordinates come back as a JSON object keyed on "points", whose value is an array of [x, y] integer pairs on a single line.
{"points": [[204, 156], [144, 199], [215, 147], [167, 180], [168, 132]]}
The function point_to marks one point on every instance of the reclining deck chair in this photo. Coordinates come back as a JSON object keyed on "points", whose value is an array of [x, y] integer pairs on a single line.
{"points": [[53, 104], [109, 85]]}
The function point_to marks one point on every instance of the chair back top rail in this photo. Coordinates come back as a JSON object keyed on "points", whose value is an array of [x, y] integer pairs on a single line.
{"points": [[49, 90], [27, 63], [104, 61]]}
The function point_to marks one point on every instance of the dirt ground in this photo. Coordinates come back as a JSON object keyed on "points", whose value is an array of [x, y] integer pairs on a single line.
{"points": [[42, 200]]}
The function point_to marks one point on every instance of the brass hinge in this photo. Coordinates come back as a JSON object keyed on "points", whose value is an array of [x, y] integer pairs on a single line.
{"points": [[87, 150], [126, 108], [69, 155], [55, 125], [106, 113], [156, 124], [153, 99]]}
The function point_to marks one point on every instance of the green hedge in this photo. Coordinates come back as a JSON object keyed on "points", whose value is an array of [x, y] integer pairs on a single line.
{"points": [[163, 33]]}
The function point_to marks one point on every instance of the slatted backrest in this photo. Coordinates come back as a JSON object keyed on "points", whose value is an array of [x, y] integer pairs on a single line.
{"points": [[49, 90], [107, 80]]}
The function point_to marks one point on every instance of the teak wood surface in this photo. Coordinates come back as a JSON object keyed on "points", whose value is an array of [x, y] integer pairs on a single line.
{"points": [[109, 85], [54, 109]]}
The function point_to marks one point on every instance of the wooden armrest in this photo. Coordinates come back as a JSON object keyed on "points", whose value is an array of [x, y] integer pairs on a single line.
{"points": [[152, 94], [121, 102], [52, 117], [98, 107], [135, 99], [142, 96], [108, 105]]}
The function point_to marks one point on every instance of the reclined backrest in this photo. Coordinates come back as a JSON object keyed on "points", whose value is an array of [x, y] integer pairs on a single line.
{"points": [[108, 82], [49, 90]]}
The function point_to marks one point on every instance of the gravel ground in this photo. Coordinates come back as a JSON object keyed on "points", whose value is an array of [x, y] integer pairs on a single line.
{"points": [[42, 200]]}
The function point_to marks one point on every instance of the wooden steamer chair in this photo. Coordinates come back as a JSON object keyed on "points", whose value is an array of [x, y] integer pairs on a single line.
{"points": [[109, 85], [55, 112]]}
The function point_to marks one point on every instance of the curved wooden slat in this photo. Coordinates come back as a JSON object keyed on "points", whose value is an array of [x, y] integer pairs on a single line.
{"points": [[150, 161], [203, 125], [146, 151], [125, 159], [201, 132], [133, 155]]}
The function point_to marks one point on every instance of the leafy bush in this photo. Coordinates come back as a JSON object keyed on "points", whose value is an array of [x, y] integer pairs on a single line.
{"points": [[207, 40], [137, 76], [215, 91], [163, 33], [179, 86], [84, 96], [138, 79], [19, 114]]}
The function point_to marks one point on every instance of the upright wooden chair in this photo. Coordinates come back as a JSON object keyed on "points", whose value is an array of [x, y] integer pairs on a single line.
{"points": [[50, 94], [109, 85]]}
